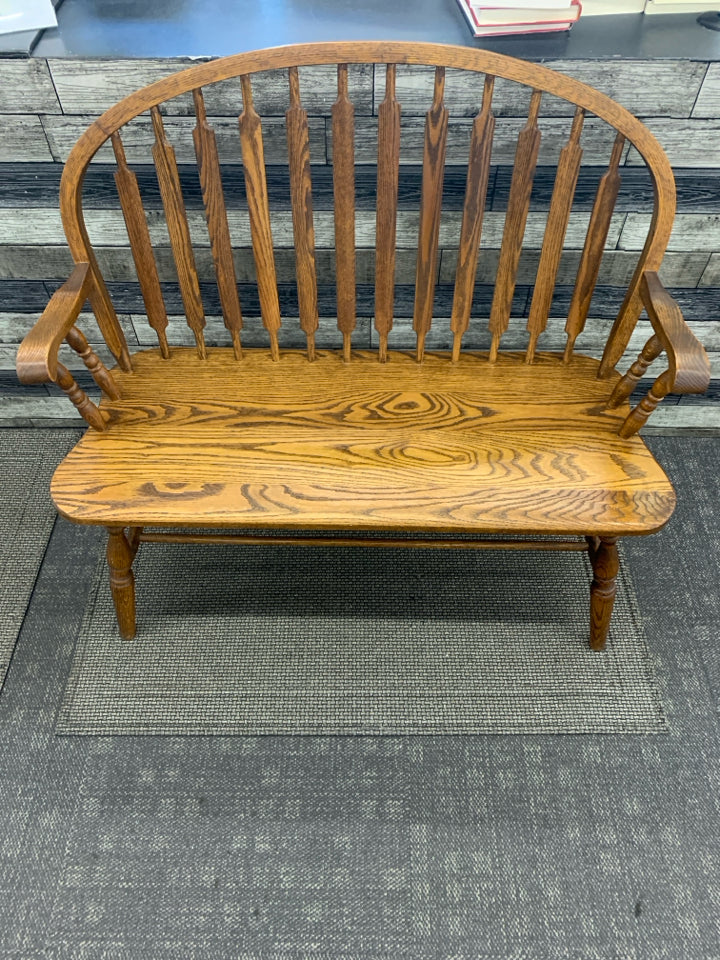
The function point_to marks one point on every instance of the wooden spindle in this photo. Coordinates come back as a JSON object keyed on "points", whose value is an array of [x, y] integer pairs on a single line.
{"points": [[302, 211], [251, 141], [217, 222], [141, 245], [639, 414], [555, 229], [436, 123], [85, 407], [595, 241], [99, 372], [526, 155], [343, 146], [387, 202], [624, 387], [473, 211], [179, 231]]}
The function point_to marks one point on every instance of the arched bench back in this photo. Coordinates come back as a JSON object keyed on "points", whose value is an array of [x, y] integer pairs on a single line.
{"points": [[484, 72]]}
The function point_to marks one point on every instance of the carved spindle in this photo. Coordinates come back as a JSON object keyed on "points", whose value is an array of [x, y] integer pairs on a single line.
{"points": [[141, 245], [526, 155], [217, 223], [651, 351], [555, 230], [179, 231], [343, 146], [251, 141], [436, 123], [605, 563], [122, 581], [475, 196], [595, 241], [639, 414], [302, 211], [99, 372], [85, 407], [387, 203]]}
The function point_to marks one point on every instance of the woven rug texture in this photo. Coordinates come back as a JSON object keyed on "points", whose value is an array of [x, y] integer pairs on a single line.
{"points": [[318, 640]]}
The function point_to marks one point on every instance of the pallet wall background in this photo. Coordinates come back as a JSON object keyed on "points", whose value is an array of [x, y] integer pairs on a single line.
{"points": [[46, 104]]}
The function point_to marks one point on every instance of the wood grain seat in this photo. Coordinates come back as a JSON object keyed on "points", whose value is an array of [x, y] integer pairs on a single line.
{"points": [[536, 449], [433, 446]]}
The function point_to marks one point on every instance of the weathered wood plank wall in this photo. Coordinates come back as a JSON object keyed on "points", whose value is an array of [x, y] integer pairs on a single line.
{"points": [[46, 104]]}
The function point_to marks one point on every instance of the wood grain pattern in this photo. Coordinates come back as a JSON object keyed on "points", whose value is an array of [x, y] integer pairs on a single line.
{"points": [[478, 174], [166, 167], [388, 154], [251, 140], [688, 363], [436, 446], [518, 206], [343, 140], [436, 123], [37, 359], [594, 245], [217, 222], [557, 223], [141, 245], [302, 211]]}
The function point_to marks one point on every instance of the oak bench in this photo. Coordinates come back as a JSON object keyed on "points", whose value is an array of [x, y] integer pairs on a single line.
{"points": [[472, 448]]}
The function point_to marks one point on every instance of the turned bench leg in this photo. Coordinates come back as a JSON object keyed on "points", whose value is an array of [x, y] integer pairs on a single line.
{"points": [[604, 559], [120, 555]]}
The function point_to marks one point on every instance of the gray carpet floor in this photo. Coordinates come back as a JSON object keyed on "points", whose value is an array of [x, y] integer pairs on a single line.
{"points": [[27, 461], [272, 848]]}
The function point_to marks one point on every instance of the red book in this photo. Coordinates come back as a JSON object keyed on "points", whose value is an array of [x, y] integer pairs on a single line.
{"points": [[501, 21]]}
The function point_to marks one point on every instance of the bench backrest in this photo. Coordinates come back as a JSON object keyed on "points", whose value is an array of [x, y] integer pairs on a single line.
{"points": [[483, 73]]}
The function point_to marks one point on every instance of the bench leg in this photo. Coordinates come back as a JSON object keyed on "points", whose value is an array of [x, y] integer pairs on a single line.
{"points": [[120, 555], [604, 560]]}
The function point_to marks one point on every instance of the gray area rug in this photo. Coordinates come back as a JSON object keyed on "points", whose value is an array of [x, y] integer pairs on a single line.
{"points": [[27, 461], [293, 640]]}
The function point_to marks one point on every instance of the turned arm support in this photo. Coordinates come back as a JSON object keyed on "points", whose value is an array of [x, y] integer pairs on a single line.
{"points": [[688, 369]]}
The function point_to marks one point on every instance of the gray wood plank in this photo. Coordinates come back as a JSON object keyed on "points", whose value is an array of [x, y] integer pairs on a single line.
{"points": [[107, 228], [93, 86], [26, 87], [691, 232], [708, 101], [648, 88], [597, 140], [23, 140], [15, 325], [688, 143], [711, 274], [678, 269], [63, 132]]}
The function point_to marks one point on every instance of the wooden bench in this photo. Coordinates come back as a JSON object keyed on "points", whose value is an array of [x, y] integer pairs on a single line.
{"points": [[467, 448]]}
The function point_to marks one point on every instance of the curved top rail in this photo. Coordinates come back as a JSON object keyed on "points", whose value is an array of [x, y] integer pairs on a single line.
{"points": [[429, 54]]}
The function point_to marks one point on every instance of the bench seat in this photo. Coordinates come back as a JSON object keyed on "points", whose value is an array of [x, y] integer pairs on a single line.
{"points": [[461, 448]]}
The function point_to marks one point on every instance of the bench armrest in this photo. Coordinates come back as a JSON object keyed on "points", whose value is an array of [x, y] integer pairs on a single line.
{"points": [[688, 369], [37, 359], [688, 363]]}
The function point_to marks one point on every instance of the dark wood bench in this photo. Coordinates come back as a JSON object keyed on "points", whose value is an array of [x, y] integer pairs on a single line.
{"points": [[533, 448]]}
